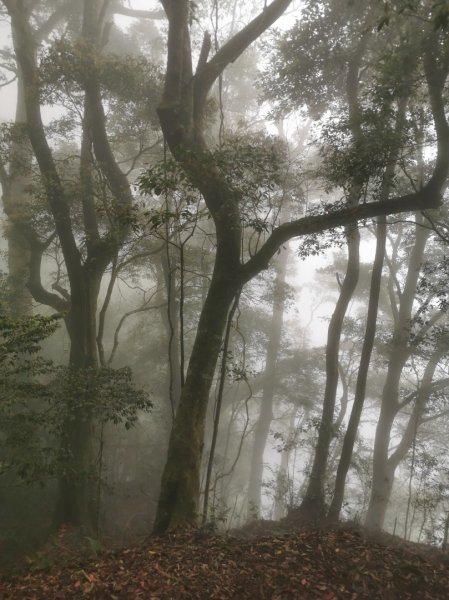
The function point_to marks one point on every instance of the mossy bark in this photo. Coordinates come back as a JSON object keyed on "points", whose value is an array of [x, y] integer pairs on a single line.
{"points": [[76, 498], [180, 486]]}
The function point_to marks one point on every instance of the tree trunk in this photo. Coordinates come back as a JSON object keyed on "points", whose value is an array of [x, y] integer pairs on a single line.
{"points": [[282, 484], [16, 206], [180, 486], [400, 351], [266, 409], [313, 503], [359, 398], [76, 498], [370, 330], [445, 533], [182, 115], [170, 316], [382, 483], [409, 435]]}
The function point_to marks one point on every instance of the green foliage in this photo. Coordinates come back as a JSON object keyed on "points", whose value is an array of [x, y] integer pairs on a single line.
{"points": [[253, 167], [24, 396], [68, 67], [37, 398], [307, 66], [433, 291], [167, 178], [106, 394], [346, 160], [12, 136]]}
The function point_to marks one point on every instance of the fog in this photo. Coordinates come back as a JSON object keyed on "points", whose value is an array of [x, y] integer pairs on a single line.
{"points": [[224, 267]]}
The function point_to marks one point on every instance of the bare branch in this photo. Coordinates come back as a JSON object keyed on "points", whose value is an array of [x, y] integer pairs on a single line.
{"points": [[145, 307], [64, 293]]}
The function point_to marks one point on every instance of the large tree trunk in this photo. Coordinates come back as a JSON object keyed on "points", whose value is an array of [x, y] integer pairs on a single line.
{"points": [[180, 486], [400, 352], [266, 408], [76, 497]]}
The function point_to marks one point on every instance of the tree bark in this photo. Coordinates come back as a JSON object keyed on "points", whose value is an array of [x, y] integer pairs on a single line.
{"points": [[400, 351], [313, 503], [16, 206], [359, 397], [75, 504], [180, 486]]}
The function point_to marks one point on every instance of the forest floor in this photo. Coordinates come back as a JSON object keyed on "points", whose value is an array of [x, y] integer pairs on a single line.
{"points": [[259, 562]]}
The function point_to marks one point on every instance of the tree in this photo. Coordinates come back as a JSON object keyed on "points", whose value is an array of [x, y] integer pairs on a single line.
{"points": [[15, 172], [268, 391], [86, 257], [182, 117], [409, 333]]}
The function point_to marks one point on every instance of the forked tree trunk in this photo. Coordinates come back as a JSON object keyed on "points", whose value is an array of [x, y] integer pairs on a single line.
{"points": [[380, 506], [313, 503], [84, 273], [182, 116], [359, 397], [383, 473]]}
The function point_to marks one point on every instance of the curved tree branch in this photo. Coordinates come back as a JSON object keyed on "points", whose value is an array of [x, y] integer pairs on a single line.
{"points": [[345, 216], [37, 290], [24, 45], [230, 51], [139, 14]]}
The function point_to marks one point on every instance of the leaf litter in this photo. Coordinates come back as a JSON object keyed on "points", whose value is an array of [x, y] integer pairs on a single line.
{"points": [[311, 563]]}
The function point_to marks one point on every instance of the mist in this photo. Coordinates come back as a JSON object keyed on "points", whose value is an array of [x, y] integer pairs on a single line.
{"points": [[224, 272]]}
